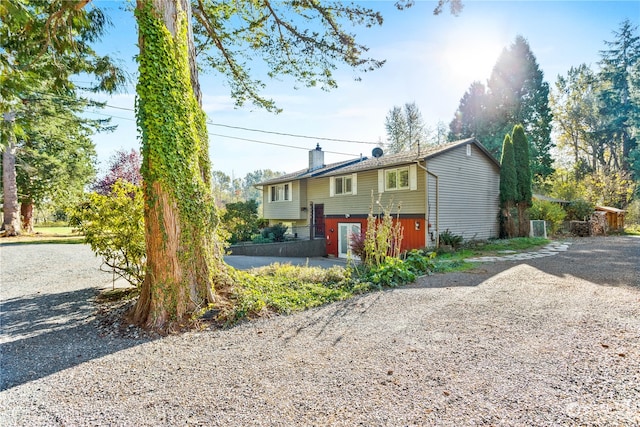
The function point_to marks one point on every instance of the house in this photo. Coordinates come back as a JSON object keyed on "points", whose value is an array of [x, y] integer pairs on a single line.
{"points": [[453, 186]]}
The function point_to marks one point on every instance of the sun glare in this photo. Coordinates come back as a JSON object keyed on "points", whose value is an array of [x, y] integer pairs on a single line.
{"points": [[470, 55]]}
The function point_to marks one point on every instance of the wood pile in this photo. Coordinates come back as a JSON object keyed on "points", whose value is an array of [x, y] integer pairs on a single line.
{"points": [[598, 223], [580, 228], [596, 226]]}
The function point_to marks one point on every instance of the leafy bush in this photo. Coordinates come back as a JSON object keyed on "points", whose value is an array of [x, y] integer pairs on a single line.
{"points": [[275, 233], [579, 210], [448, 238], [548, 211], [113, 225], [418, 262], [241, 220], [392, 272], [357, 245]]}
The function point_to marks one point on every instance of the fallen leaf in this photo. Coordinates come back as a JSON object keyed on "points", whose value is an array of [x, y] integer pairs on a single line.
{"points": [[604, 345], [446, 393]]}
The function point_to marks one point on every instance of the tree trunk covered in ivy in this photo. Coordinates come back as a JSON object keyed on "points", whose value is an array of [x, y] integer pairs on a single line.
{"points": [[11, 209], [184, 256]]}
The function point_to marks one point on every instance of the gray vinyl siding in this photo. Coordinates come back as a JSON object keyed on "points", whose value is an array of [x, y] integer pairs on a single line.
{"points": [[286, 210], [468, 194], [413, 201]]}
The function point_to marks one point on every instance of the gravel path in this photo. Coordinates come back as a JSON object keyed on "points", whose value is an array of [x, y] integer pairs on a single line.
{"points": [[545, 342]]}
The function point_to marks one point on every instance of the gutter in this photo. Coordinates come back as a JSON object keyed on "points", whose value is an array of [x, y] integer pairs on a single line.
{"points": [[426, 202]]}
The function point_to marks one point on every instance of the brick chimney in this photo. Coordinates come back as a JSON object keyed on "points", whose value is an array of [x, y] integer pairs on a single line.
{"points": [[316, 158]]}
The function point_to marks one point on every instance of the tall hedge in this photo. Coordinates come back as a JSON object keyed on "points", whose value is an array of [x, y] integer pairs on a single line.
{"points": [[522, 165], [508, 174]]}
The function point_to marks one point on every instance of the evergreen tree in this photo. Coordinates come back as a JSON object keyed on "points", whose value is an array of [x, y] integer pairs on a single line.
{"points": [[523, 178], [470, 117], [619, 105], [508, 188], [43, 44], [515, 94], [55, 154]]}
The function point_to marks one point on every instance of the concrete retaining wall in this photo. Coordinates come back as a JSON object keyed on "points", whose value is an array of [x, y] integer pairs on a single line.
{"points": [[297, 248]]}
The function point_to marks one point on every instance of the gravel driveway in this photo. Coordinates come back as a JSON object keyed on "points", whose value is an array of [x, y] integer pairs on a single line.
{"points": [[545, 342]]}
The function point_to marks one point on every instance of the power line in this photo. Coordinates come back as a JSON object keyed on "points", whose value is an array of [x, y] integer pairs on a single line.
{"points": [[291, 134], [276, 144], [237, 138]]}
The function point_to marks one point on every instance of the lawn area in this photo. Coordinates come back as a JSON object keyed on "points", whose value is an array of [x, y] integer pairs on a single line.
{"points": [[41, 235]]}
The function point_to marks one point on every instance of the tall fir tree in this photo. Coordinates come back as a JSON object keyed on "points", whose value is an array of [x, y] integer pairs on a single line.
{"points": [[516, 93], [619, 66]]}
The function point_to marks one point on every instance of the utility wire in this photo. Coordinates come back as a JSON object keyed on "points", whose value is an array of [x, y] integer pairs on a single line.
{"points": [[247, 129], [237, 138], [291, 134]]}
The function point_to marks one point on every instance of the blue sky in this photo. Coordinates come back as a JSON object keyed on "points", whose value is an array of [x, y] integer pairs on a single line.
{"points": [[431, 60]]}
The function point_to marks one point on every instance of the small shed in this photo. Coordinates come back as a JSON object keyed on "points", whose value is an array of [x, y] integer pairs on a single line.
{"points": [[615, 217]]}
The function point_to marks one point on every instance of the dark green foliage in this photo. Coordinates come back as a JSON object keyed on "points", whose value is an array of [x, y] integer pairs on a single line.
{"points": [[275, 233], [579, 210], [508, 175], [515, 93], [241, 220], [522, 165], [620, 105], [450, 239]]}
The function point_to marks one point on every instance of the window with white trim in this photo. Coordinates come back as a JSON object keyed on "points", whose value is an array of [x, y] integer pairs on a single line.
{"points": [[396, 179], [343, 185], [401, 178], [280, 193]]}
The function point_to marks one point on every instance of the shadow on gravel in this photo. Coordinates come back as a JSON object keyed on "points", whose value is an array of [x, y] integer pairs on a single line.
{"points": [[46, 333], [605, 261]]}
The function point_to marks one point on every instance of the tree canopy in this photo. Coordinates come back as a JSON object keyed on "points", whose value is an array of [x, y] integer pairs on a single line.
{"points": [[405, 127], [515, 93]]}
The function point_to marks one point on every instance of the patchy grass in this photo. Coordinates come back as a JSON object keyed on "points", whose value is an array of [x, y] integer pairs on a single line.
{"points": [[516, 244]]}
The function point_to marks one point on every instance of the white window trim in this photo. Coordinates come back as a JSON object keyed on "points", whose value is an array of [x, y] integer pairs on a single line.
{"points": [[413, 179], [290, 192], [354, 185]]}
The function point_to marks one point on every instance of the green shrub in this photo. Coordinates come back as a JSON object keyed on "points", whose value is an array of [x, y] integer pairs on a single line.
{"points": [[113, 225], [448, 238], [548, 211], [579, 210], [275, 233], [241, 220], [418, 262], [392, 272]]}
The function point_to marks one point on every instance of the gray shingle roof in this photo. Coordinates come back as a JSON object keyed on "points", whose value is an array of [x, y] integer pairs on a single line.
{"points": [[365, 163]]}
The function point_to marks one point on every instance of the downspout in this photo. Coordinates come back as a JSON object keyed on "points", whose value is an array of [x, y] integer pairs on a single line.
{"points": [[427, 200]]}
